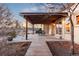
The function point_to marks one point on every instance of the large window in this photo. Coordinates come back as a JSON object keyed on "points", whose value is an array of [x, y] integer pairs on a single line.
{"points": [[77, 19], [67, 27]]}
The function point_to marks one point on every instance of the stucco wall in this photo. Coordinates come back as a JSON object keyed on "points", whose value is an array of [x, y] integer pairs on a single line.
{"points": [[65, 35], [76, 26]]}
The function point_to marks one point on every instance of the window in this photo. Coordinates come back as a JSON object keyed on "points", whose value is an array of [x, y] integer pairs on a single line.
{"points": [[67, 28], [59, 29], [77, 19]]}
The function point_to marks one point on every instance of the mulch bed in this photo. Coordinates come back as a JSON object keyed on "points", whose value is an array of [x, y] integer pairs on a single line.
{"points": [[62, 48], [14, 49]]}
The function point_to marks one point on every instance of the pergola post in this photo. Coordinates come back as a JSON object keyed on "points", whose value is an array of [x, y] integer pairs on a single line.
{"points": [[44, 28], [48, 28], [33, 28], [26, 29], [41, 26]]}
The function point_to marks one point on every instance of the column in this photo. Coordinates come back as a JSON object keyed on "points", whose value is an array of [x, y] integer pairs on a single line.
{"points": [[33, 28], [26, 29]]}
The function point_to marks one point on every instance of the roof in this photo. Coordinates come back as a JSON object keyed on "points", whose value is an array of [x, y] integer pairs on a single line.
{"points": [[43, 18]]}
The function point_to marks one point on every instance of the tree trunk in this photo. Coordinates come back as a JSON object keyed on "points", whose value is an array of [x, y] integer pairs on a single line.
{"points": [[72, 34]]}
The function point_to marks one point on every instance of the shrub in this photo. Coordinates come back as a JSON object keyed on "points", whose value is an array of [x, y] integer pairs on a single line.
{"points": [[12, 34]]}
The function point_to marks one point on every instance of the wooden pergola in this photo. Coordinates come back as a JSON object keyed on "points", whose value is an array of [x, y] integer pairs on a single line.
{"points": [[42, 18]]}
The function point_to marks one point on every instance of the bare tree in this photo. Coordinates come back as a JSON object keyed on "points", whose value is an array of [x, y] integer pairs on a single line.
{"points": [[5, 15]]}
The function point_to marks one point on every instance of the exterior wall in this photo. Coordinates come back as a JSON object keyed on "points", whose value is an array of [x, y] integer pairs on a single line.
{"points": [[65, 35], [76, 26], [56, 35], [46, 29], [51, 29]]}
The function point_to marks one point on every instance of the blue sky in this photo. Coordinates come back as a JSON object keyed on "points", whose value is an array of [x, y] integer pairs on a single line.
{"points": [[16, 8]]}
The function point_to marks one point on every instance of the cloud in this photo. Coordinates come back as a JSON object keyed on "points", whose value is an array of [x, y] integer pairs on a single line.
{"points": [[35, 9], [26, 10]]}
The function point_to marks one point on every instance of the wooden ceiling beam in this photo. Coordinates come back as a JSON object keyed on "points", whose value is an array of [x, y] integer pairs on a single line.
{"points": [[56, 13]]}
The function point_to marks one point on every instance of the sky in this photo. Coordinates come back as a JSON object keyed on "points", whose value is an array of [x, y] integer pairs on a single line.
{"points": [[17, 8]]}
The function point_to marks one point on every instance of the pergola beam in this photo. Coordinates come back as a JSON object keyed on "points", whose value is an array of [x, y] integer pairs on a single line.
{"points": [[54, 13]]}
